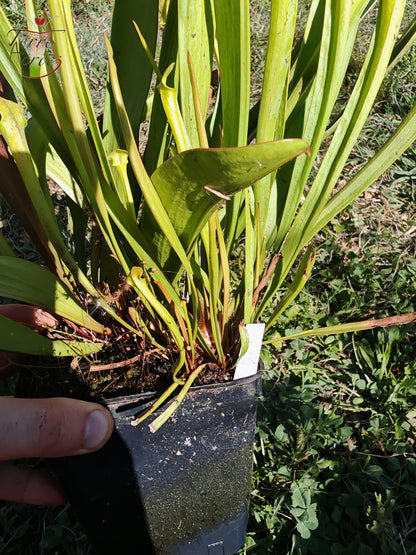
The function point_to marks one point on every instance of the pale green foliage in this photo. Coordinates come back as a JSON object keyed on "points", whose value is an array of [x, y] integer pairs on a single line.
{"points": [[176, 220]]}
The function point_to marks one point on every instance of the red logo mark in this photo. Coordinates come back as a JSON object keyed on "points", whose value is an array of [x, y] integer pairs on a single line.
{"points": [[39, 21]]}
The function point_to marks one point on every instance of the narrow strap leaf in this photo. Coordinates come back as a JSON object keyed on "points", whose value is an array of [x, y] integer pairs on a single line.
{"points": [[397, 320], [151, 196], [18, 338], [131, 60], [28, 282]]}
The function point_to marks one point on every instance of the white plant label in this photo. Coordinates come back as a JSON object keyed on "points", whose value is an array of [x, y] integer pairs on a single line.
{"points": [[249, 363]]}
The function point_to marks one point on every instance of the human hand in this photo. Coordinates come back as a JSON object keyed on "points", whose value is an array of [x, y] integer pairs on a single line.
{"points": [[45, 428], [42, 427]]}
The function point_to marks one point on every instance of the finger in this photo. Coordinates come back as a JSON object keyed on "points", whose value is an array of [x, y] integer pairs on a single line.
{"points": [[29, 315], [26, 485], [51, 427]]}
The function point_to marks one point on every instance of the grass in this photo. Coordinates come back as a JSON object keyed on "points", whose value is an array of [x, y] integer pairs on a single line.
{"points": [[335, 452], [335, 455]]}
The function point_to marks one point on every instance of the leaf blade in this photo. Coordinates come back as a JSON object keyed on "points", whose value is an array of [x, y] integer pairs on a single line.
{"points": [[25, 281], [192, 184], [19, 338]]}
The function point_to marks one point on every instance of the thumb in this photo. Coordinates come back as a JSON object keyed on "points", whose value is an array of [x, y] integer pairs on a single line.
{"points": [[51, 427]]}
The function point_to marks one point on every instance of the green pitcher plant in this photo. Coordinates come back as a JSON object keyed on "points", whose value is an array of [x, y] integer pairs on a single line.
{"points": [[182, 235]]}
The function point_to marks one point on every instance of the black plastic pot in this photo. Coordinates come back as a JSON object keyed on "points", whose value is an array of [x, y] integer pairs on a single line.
{"points": [[182, 491]]}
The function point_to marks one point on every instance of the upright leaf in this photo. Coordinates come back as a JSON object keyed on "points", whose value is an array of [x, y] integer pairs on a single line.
{"points": [[195, 36], [133, 67], [272, 112]]}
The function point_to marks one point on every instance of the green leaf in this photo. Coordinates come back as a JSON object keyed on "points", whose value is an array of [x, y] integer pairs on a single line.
{"points": [[18, 338], [194, 183], [195, 36], [14, 191], [272, 110], [347, 132], [403, 45], [169, 96], [9, 64], [29, 91], [304, 530], [301, 496], [232, 20], [158, 140], [296, 286], [399, 141], [27, 282], [134, 69], [313, 112], [398, 320], [5, 248], [24, 180], [147, 187], [232, 33], [94, 178]]}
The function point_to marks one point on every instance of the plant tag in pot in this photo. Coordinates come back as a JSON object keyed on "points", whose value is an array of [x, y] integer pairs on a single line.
{"points": [[248, 364]]}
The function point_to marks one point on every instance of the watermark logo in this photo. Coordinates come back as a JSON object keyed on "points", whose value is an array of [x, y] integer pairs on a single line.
{"points": [[33, 49]]}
